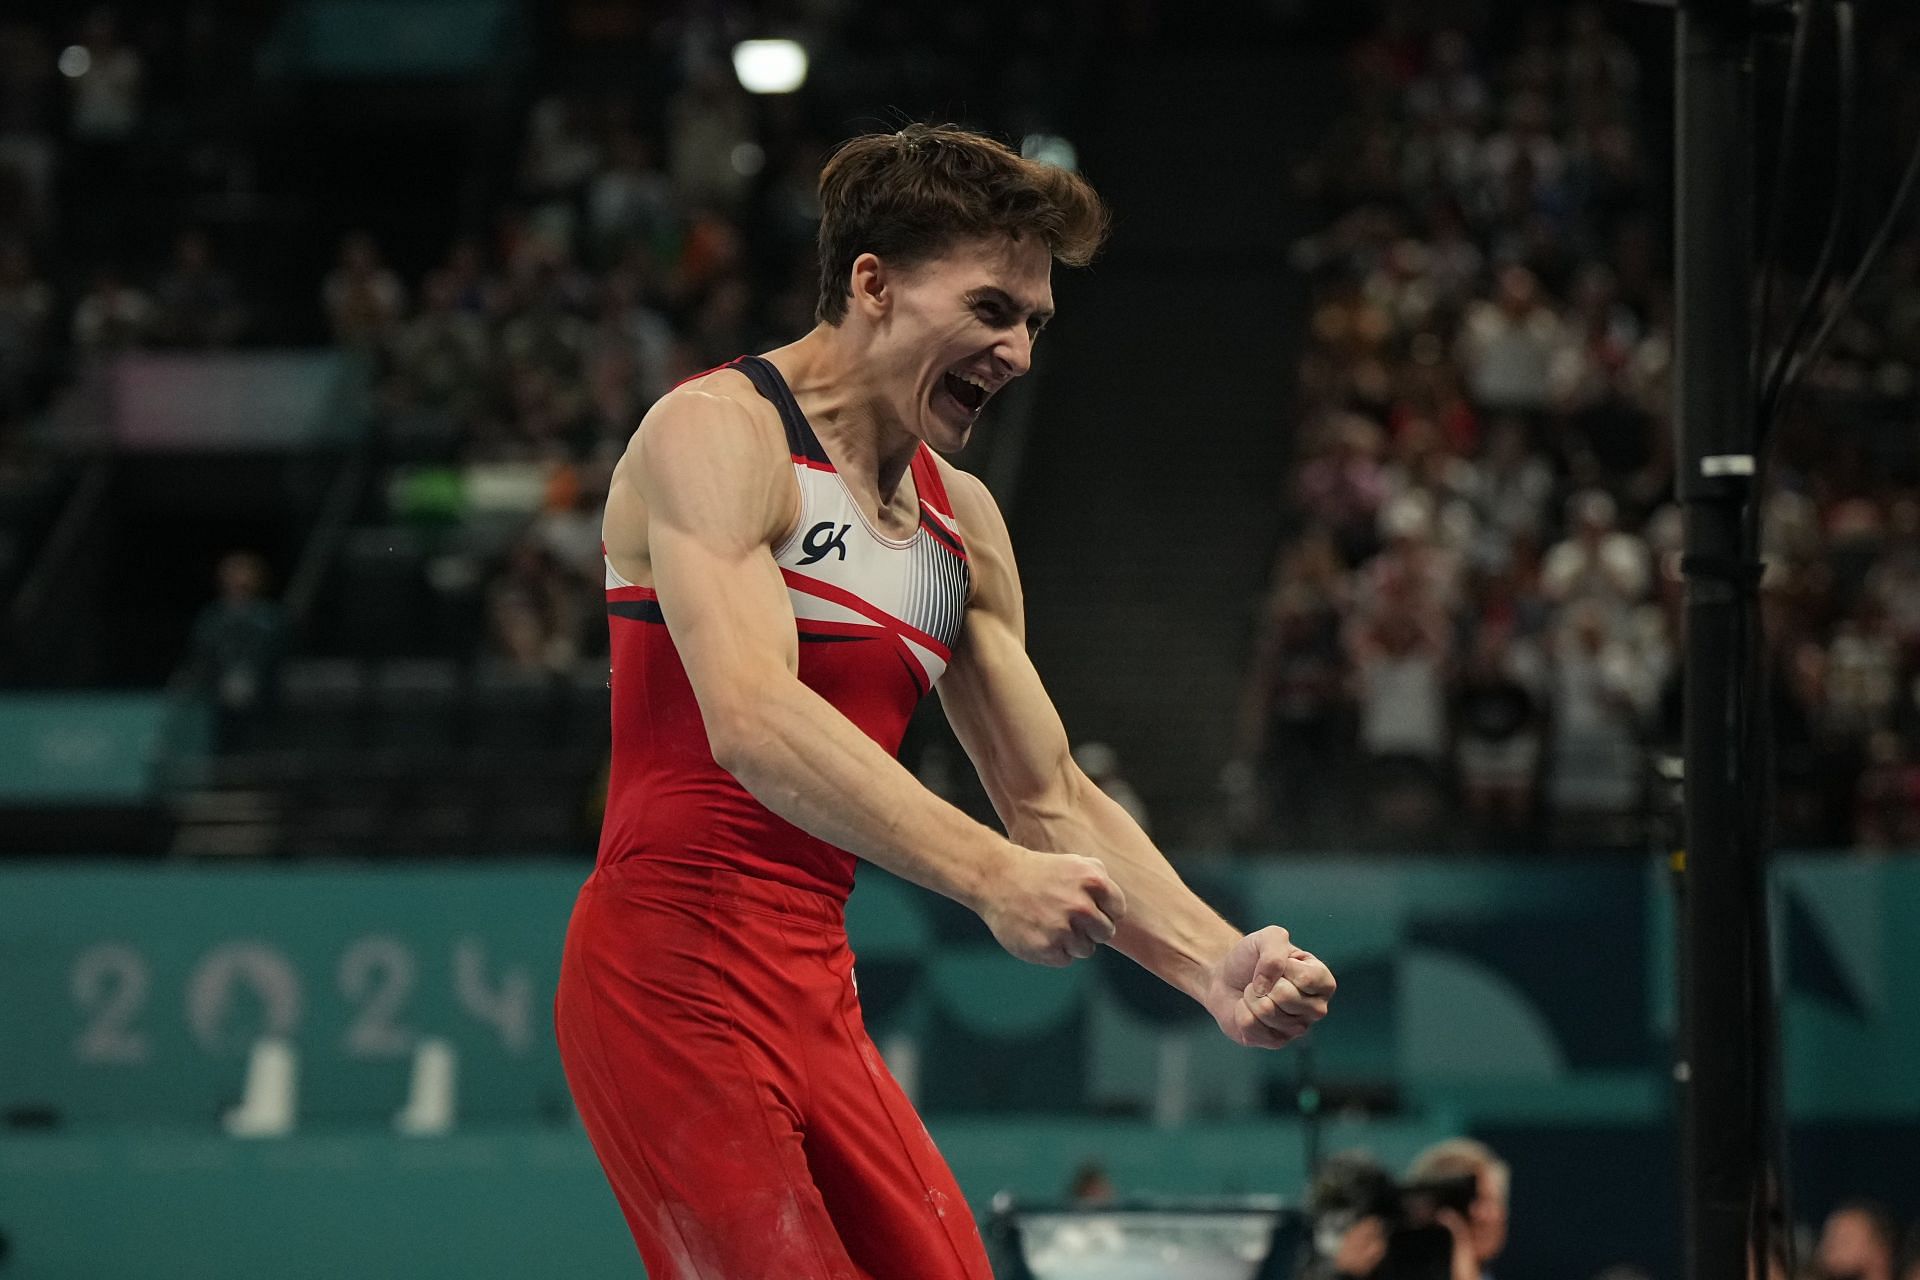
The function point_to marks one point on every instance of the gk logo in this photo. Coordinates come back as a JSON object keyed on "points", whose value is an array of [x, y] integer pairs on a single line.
{"points": [[823, 538]]}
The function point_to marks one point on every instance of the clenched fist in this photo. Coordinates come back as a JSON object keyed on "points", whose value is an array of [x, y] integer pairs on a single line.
{"points": [[1053, 908], [1266, 992]]}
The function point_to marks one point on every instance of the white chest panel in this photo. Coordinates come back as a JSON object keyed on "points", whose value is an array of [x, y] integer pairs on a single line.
{"points": [[841, 572]]}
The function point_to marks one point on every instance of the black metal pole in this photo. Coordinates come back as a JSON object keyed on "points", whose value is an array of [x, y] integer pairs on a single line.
{"points": [[1714, 403]]}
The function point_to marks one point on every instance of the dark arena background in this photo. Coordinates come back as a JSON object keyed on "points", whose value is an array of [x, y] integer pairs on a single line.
{"points": [[1347, 493]]}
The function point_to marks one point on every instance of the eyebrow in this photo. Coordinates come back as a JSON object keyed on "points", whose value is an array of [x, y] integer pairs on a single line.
{"points": [[995, 294]]}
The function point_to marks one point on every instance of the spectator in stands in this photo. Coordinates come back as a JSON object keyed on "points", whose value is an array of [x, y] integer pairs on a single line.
{"points": [[364, 300], [1294, 736], [561, 155], [536, 610], [710, 139], [544, 332], [721, 327], [1601, 71], [441, 357], [629, 355], [629, 203], [1598, 561], [1859, 1241], [475, 291], [1887, 804], [196, 304], [1424, 463], [1413, 569], [1894, 580], [1341, 488], [1507, 345], [1398, 645], [1524, 146], [1597, 341], [236, 649], [1510, 499], [1449, 87], [1862, 669], [1480, 1235], [1499, 728], [112, 316], [1600, 695]]}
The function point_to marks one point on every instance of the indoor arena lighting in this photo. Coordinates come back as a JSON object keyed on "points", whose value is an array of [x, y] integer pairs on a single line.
{"points": [[770, 66]]}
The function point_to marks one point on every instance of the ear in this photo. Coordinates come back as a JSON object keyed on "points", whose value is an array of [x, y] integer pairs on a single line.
{"points": [[872, 286]]}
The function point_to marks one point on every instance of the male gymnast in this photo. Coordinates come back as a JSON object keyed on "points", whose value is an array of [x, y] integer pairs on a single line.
{"points": [[790, 568]]}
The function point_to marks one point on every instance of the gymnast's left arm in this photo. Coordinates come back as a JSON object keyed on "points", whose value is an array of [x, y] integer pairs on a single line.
{"points": [[1262, 989]]}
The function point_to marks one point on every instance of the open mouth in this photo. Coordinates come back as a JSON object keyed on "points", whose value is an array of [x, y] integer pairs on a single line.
{"points": [[968, 395]]}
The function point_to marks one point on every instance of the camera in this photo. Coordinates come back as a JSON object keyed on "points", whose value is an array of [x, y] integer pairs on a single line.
{"points": [[1350, 1190]]}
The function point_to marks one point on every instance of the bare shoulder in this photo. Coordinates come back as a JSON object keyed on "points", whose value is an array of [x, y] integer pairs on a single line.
{"points": [[719, 412], [711, 453]]}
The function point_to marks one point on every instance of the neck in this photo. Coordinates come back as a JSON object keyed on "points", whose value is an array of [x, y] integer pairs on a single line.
{"points": [[835, 381]]}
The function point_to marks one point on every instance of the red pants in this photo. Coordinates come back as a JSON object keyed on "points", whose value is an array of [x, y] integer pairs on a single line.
{"points": [[712, 1039]]}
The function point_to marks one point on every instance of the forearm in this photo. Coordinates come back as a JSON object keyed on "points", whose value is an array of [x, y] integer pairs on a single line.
{"points": [[812, 766], [1168, 930]]}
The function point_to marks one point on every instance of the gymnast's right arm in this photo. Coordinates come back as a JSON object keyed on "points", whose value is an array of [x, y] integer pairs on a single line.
{"points": [[716, 492]]}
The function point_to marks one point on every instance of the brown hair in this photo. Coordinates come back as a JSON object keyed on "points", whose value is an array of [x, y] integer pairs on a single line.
{"points": [[908, 196]]}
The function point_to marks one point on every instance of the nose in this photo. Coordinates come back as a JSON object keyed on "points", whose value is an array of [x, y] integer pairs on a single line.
{"points": [[1015, 351]]}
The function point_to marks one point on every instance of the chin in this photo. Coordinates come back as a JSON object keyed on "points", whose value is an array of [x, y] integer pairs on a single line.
{"points": [[943, 436]]}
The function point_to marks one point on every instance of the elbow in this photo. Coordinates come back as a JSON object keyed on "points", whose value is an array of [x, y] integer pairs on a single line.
{"points": [[739, 726], [730, 738]]}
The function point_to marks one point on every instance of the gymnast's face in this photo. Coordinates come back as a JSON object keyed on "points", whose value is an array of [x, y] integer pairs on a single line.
{"points": [[952, 331]]}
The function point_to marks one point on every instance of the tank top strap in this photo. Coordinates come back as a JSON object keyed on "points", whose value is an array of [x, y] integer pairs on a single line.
{"points": [[928, 484], [801, 442]]}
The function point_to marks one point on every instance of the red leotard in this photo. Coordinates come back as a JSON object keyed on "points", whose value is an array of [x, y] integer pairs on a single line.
{"points": [[706, 1013]]}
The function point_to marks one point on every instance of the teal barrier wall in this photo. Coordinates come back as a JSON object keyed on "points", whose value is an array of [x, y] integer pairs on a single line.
{"points": [[1499, 991], [1526, 1003]]}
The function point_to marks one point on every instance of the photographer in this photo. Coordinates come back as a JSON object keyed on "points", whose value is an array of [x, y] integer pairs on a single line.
{"points": [[1479, 1225], [1354, 1205], [1447, 1221]]}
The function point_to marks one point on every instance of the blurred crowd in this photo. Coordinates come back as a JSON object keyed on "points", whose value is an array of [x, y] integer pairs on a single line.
{"points": [[512, 374], [77, 277], [645, 219], [651, 233], [1472, 629]]}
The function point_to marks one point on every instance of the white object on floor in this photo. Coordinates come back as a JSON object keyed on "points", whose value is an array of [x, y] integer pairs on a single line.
{"points": [[268, 1100], [430, 1099]]}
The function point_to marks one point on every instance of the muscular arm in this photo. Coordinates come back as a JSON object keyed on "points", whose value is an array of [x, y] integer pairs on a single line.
{"points": [[1003, 716], [716, 487]]}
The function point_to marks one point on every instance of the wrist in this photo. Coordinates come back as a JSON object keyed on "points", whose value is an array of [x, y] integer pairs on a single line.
{"points": [[986, 869], [1192, 964]]}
